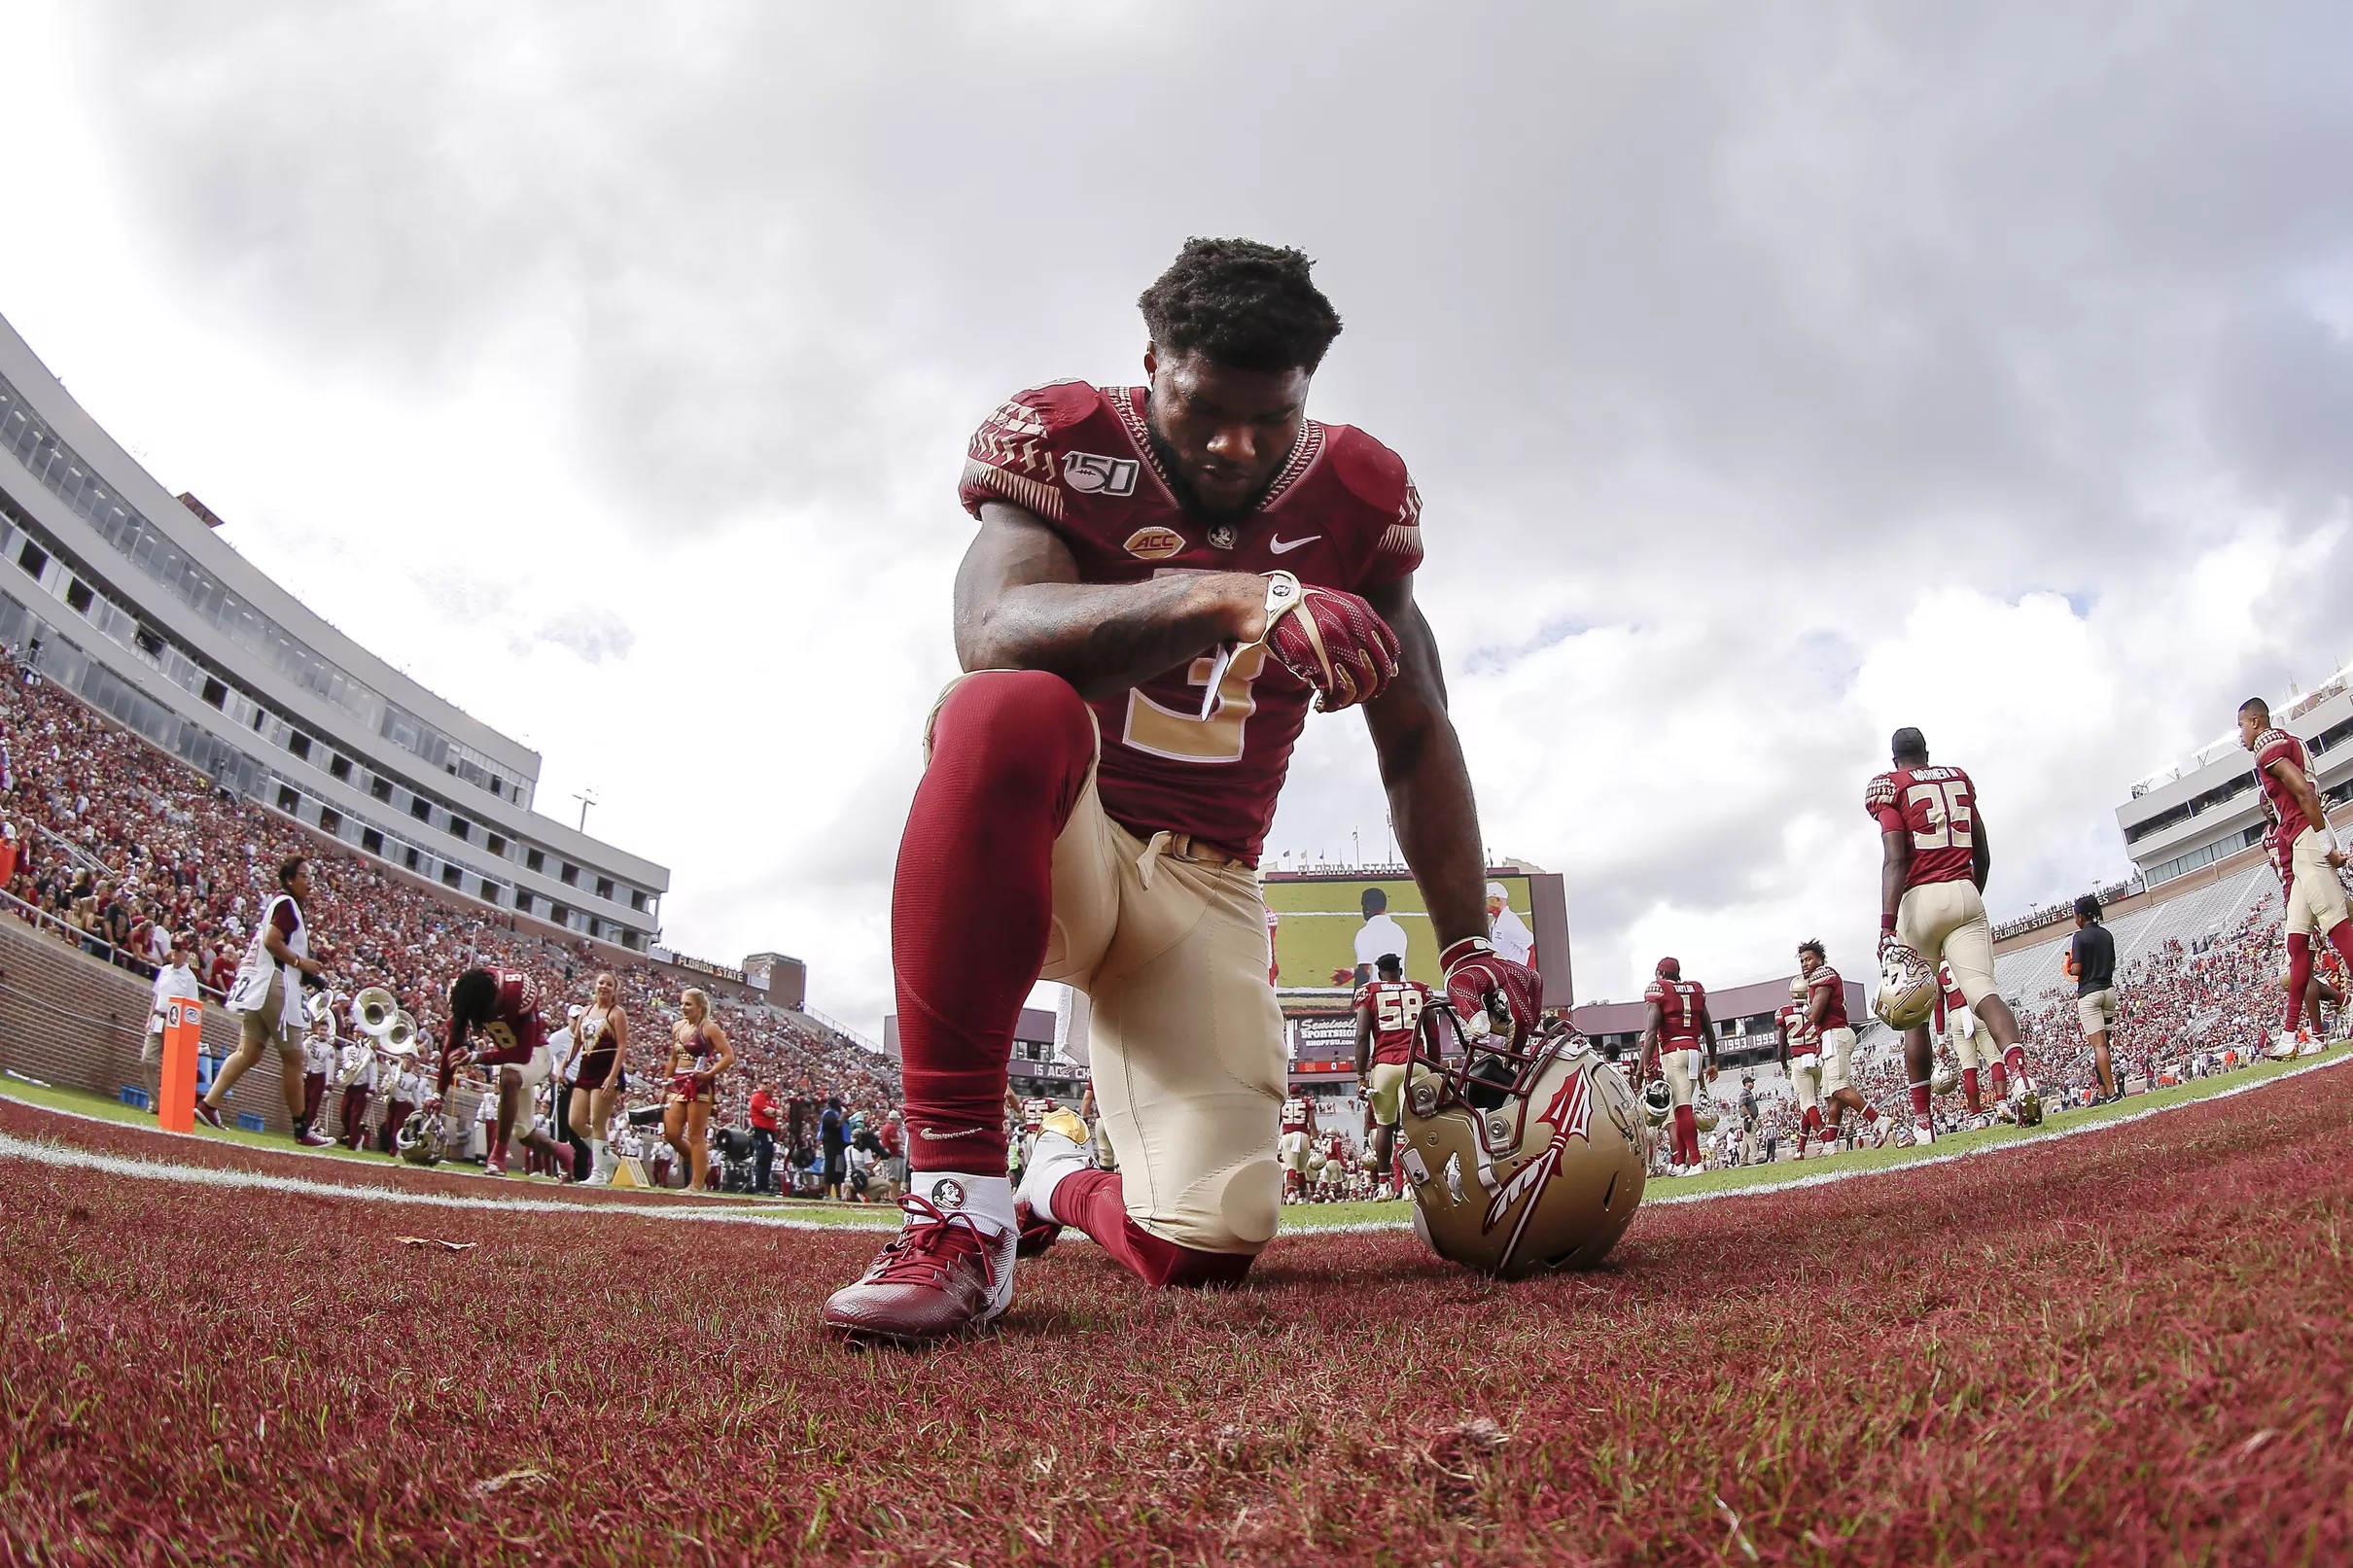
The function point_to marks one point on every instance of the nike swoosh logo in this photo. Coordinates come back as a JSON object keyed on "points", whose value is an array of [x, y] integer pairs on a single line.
{"points": [[931, 1136], [1284, 546]]}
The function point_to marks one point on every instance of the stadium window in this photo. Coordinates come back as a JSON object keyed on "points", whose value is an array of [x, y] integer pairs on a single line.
{"points": [[571, 875], [421, 808], [371, 841], [604, 886], [380, 787], [78, 597], [522, 901], [461, 830], [413, 860], [149, 642], [340, 767], [288, 800], [261, 719], [330, 820], [216, 693], [451, 876], [497, 844], [33, 558], [558, 914], [298, 744], [637, 900], [535, 861], [490, 893]]}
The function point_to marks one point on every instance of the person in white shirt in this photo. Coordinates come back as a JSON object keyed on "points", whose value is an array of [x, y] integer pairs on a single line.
{"points": [[1379, 935], [485, 1113], [174, 979], [1512, 938], [402, 1093], [356, 1077], [318, 1061]]}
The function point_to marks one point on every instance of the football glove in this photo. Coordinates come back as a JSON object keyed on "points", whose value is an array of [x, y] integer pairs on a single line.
{"points": [[1333, 641], [1485, 987]]}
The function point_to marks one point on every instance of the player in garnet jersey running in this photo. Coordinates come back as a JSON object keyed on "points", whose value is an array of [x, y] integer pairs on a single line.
{"points": [[1673, 1031], [1166, 578], [1390, 1015], [1826, 1016], [2307, 857], [1934, 859], [1801, 1052]]}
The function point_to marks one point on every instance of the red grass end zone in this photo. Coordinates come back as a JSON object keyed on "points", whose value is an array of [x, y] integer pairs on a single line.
{"points": [[2128, 1346]]}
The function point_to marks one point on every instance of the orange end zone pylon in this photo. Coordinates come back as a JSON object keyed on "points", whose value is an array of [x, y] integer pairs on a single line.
{"points": [[183, 1022]]}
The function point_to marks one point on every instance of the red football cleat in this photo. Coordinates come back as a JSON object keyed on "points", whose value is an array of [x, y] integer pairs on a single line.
{"points": [[209, 1116], [494, 1167], [943, 1275], [310, 1137]]}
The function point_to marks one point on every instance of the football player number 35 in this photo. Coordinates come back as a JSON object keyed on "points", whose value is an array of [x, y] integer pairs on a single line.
{"points": [[1947, 806], [1186, 736]]}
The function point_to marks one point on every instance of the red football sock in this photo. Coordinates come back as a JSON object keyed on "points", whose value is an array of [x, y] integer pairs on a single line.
{"points": [[1871, 1115], [2017, 1057], [1969, 1089], [2299, 975], [2001, 1079], [1919, 1101], [1687, 1135], [972, 907], [1096, 1202]]}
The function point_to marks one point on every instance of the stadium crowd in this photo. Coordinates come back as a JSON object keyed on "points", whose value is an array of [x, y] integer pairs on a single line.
{"points": [[116, 846]]}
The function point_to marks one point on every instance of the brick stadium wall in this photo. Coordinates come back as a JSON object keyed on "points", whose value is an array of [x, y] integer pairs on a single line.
{"points": [[70, 1019]]}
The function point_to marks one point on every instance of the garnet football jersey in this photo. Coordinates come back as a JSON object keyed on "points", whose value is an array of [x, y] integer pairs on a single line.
{"points": [[1680, 1003], [1396, 1007], [2278, 745], [1802, 1041], [1938, 808], [514, 1029], [1297, 1115], [1824, 982], [1341, 513]]}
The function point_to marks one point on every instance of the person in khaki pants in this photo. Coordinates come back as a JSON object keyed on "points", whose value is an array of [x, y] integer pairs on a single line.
{"points": [[2092, 959]]}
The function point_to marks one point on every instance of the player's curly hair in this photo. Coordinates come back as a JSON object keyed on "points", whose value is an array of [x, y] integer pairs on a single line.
{"points": [[472, 997], [1813, 946], [1243, 304]]}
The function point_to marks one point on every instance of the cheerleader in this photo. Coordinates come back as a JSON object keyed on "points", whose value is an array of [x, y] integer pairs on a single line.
{"points": [[600, 1041], [699, 1053]]}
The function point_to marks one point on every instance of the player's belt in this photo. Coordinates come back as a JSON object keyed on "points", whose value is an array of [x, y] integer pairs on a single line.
{"points": [[1168, 845]]}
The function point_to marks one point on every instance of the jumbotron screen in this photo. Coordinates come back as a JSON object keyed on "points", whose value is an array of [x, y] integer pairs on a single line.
{"points": [[1328, 924]]}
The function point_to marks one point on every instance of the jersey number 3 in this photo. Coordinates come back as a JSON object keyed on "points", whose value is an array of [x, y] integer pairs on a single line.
{"points": [[1947, 811], [1187, 737]]}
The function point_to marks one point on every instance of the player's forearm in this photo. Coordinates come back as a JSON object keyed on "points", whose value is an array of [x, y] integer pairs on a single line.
{"points": [[1104, 638], [1436, 817], [1891, 891]]}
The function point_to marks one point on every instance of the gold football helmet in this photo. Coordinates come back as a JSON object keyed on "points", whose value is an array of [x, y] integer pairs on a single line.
{"points": [[1526, 1151]]}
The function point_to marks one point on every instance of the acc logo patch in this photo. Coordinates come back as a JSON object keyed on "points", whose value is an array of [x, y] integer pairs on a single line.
{"points": [[1154, 544], [1093, 475]]}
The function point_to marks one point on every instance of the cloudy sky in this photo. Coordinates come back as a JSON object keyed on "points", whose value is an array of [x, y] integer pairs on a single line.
{"points": [[1772, 377]]}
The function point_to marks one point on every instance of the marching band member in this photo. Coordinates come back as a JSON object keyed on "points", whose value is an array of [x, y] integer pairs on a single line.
{"points": [[356, 1076], [318, 1061]]}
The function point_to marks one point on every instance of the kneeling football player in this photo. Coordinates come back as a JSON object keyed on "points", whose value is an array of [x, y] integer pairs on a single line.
{"points": [[494, 1022], [1165, 579]]}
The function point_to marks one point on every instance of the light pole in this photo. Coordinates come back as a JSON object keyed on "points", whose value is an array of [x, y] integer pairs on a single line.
{"points": [[587, 798]]}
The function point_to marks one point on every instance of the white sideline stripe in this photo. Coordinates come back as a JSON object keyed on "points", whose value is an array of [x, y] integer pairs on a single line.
{"points": [[1828, 1178], [60, 1156]]}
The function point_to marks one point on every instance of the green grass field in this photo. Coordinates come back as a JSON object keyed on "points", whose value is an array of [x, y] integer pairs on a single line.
{"points": [[1307, 1217]]}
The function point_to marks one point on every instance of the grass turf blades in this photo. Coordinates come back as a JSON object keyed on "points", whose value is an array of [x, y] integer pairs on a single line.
{"points": [[2119, 1348]]}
